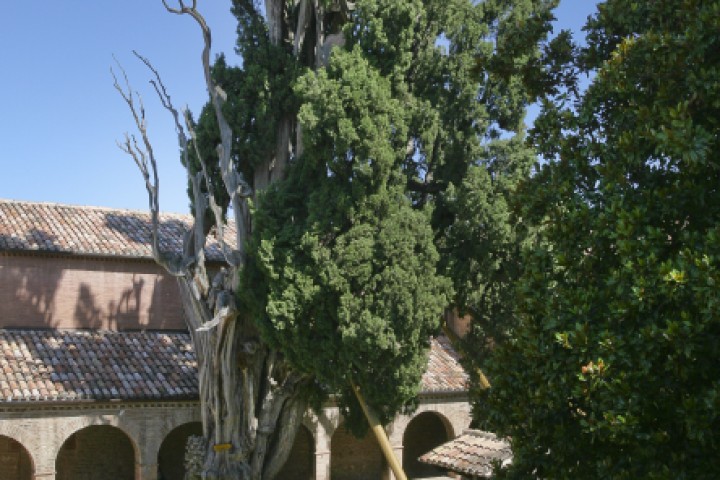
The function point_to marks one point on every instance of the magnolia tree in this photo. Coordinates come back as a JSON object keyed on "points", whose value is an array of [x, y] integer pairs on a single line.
{"points": [[612, 371], [359, 152]]}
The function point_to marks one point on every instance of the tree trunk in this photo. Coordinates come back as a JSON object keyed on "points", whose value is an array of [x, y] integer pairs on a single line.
{"points": [[249, 399], [251, 402]]}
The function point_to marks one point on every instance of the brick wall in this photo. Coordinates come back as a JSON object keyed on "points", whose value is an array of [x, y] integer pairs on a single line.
{"points": [[96, 453], [355, 459], [65, 292], [459, 325]]}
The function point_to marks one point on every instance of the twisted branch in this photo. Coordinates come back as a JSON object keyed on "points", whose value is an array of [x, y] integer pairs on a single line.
{"points": [[237, 187], [145, 160]]}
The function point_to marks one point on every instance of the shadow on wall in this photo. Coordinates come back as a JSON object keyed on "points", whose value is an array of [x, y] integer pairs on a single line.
{"points": [[56, 291], [164, 293], [121, 315], [28, 291], [138, 232]]}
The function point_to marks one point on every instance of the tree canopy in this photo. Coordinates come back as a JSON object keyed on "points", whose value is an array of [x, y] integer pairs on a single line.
{"points": [[611, 371], [368, 153], [394, 206]]}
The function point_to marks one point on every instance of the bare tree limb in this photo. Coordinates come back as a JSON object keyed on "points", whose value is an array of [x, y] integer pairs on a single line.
{"points": [[250, 402], [216, 209], [198, 228], [145, 160], [237, 187]]}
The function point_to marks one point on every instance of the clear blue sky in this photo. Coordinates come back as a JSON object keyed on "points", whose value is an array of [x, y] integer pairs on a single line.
{"points": [[61, 116]]}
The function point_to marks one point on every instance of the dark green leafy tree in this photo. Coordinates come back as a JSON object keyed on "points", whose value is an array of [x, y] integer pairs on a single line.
{"points": [[611, 372], [368, 152]]}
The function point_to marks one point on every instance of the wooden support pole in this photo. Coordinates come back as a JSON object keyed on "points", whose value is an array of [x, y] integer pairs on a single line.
{"points": [[381, 436]]}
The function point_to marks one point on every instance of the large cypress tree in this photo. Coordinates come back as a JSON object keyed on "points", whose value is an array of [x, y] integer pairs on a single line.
{"points": [[368, 151], [612, 372]]}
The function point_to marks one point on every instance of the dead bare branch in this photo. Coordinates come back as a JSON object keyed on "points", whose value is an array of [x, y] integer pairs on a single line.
{"points": [[144, 158], [194, 248], [237, 187], [216, 210]]}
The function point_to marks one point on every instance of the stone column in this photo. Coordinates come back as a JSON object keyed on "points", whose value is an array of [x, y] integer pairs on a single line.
{"points": [[45, 464], [44, 475], [398, 451], [322, 465], [147, 471], [324, 426]]}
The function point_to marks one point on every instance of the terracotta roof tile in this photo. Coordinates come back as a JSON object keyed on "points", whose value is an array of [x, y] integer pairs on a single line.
{"points": [[444, 372], [53, 365], [50, 227], [472, 453], [71, 365]]}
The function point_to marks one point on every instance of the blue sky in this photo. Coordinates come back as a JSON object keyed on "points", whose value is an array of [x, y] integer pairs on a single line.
{"points": [[61, 116]]}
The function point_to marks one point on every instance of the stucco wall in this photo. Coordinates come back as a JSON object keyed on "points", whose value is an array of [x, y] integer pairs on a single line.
{"points": [[43, 291]]}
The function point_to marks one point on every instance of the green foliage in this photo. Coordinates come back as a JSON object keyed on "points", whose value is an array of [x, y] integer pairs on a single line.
{"points": [[399, 204], [612, 371], [259, 95], [348, 286]]}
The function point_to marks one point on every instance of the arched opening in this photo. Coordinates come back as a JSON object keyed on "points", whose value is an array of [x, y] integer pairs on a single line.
{"points": [[15, 461], [98, 452], [356, 458], [424, 432], [171, 457], [300, 464]]}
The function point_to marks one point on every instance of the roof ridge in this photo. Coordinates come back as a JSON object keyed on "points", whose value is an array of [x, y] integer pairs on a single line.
{"points": [[28, 226], [88, 207]]}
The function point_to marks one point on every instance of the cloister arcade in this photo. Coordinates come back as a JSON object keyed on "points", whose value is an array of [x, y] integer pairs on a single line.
{"points": [[146, 442]]}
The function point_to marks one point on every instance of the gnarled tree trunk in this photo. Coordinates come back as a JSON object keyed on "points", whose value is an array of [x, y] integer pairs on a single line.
{"points": [[251, 400]]}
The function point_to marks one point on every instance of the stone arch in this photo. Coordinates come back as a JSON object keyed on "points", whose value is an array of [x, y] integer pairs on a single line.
{"points": [[171, 455], [300, 464], [424, 432], [73, 425], [97, 452], [15, 460], [354, 458]]}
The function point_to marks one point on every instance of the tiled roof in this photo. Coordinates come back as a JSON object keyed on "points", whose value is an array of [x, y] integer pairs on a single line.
{"points": [[472, 453], [72, 365], [444, 372], [50, 227]]}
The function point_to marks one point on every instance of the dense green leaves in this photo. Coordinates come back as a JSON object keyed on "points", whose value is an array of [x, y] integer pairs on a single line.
{"points": [[350, 291], [406, 151], [611, 372], [410, 155]]}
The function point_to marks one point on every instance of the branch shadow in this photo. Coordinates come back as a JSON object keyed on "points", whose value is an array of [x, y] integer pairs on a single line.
{"points": [[28, 291]]}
